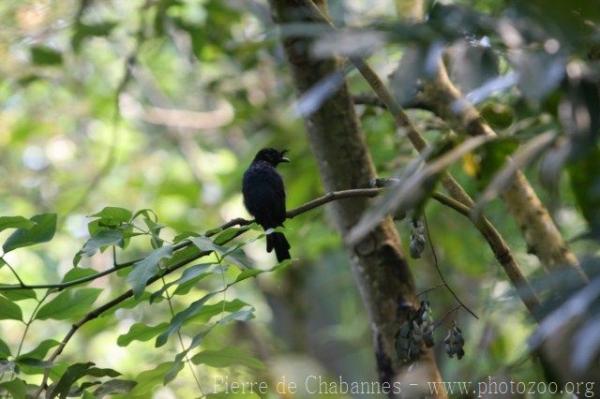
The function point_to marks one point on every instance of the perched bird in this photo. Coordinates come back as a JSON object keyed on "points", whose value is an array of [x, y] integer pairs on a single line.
{"points": [[264, 197]]}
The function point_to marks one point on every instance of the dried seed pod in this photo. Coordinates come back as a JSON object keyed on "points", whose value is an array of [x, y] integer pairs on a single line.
{"points": [[415, 334], [455, 342]]}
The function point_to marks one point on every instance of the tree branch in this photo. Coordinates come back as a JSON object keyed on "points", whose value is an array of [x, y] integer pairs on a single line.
{"points": [[538, 229], [496, 242]]}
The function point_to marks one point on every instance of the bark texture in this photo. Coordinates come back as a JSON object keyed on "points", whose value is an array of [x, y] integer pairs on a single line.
{"points": [[381, 271]]}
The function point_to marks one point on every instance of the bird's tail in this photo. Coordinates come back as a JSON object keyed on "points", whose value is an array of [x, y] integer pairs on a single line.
{"points": [[281, 245]]}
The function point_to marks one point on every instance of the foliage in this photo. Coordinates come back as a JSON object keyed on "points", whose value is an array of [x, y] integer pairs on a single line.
{"points": [[110, 107]]}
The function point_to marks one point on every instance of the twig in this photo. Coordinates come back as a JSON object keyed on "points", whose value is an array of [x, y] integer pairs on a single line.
{"points": [[28, 323], [444, 317], [495, 240], [435, 287], [14, 272], [180, 337], [439, 271], [332, 196], [107, 306]]}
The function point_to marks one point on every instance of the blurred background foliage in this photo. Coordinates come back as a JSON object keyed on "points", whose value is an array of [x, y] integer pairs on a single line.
{"points": [[163, 104]]}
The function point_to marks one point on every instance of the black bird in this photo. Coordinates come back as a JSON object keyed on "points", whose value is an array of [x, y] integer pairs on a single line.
{"points": [[264, 197]]}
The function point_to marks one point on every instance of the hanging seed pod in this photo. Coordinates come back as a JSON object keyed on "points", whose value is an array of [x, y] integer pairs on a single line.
{"points": [[417, 238], [455, 342]]}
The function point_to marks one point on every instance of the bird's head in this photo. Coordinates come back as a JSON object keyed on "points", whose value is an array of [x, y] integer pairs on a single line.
{"points": [[272, 156]]}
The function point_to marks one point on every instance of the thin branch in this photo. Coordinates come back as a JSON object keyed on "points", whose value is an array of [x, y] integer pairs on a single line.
{"points": [[439, 271], [28, 323], [317, 202], [435, 287], [107, 306], [496, 242], [14, 272], [444, 317]]}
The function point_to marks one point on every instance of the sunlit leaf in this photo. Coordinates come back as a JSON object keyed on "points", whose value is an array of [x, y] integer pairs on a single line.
{"points": [[20, 294], [69, 304], [41, 350], [15, 222], [113, 215], [43, 230], [77, 273], [17, 388], [148, 379], [140, 332], [209, 311], [9, 310]]}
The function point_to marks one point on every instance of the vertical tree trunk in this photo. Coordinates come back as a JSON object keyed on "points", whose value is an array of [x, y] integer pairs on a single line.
{"points": [[380, 269]]}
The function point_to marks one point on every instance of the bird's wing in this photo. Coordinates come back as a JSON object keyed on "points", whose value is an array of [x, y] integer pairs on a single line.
{"points": [[264, 195]]}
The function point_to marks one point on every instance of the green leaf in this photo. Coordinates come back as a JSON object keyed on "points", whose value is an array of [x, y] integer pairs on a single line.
{"points": [[83, 31], [189, 277], [42, 231], [209, 311], [102, 372], [247, 273], [103, 239], [78, 272], [9, 310], [41, 350], [227, 357], [113, 216], [69, 304], [180, 318], [112, 387], [4, 350], [36, 363], [15, 222], [175, 368], [242, 315], [70, 376], [206, 244], [20, 294], [233, 255], [238, 258], [140, 332], [17, 388], [146, 268], [148, 379], [229, 234], [43, 55]]}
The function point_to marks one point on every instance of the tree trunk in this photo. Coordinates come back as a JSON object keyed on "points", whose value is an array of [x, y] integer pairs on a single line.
{"points": [[380, 269]]}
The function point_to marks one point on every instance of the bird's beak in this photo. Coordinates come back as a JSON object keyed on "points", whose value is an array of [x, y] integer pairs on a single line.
{"points": [[283, 157]]}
